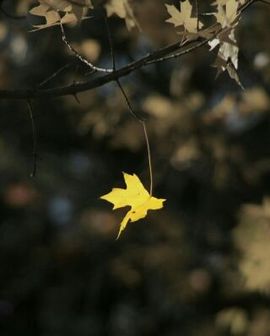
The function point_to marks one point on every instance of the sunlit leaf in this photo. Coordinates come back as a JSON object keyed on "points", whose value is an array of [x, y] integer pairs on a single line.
{"points": [[184, 17], [226, 13], [60, 11], [135, 196]]}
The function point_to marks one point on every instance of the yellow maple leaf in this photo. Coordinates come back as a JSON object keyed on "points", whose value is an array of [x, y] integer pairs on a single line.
{"points": [[135, 196], [183, 17]]}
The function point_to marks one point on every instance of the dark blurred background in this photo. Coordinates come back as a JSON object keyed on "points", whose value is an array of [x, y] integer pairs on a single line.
{"points": [[200, 266]]}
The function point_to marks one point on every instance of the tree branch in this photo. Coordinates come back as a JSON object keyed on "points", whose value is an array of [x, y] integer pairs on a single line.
{"points": [[174, 50], [95, 82]]}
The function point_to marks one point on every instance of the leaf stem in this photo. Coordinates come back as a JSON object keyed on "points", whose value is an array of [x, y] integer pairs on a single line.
{"points": [[142, 121], [149, 156]]}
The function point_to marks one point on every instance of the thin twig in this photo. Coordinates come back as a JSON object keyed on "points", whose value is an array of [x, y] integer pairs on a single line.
{"points": [[149, 156], [55, 74], [34, 138], [110, 42], [135, 114], [80, 57]]}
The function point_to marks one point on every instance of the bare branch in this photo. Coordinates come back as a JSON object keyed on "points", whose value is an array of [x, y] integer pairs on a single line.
{"points": [[99, 81], [55, 74], [171, 51]]}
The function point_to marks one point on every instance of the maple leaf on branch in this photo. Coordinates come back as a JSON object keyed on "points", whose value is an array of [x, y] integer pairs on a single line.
{"points": [[227, 58], [228, 49], [73, 11], [226, 13], [184, 17], [135, 196]]}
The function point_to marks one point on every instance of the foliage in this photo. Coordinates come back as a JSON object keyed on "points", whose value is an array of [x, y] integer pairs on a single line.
{"points": [[73, 11], [227, 15], [184, 17]]}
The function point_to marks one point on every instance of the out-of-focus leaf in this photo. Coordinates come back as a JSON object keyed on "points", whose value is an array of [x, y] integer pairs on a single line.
{"points": [[124, 10], [252, 239], [234, 319]]}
